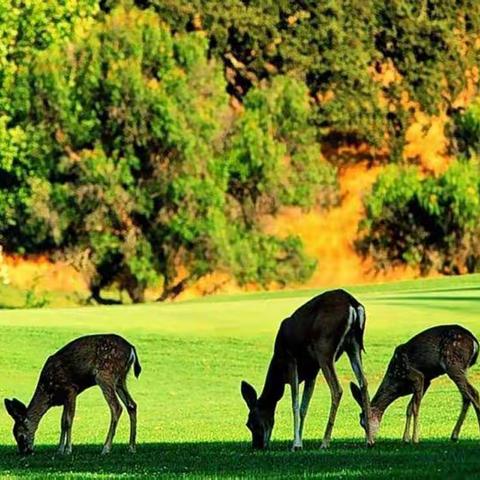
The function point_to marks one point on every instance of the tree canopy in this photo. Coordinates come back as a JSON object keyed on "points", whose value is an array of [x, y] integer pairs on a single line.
{"points": [[138, 170], [145, 140]]}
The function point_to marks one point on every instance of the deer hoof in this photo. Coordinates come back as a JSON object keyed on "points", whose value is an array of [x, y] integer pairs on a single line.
{"points": [[296, 448], [454, 438], [64, 451], [324, 445], [407, 440], [132, 449], [106, 450]]}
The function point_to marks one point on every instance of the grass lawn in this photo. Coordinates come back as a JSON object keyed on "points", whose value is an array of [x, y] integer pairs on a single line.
{"points": [[191, 416]]}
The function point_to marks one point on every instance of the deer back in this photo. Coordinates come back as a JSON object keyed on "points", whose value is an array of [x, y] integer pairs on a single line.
{"points": [[78, 363], [439, 348]]}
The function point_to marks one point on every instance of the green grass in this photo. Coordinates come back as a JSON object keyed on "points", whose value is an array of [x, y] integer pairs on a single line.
{"points": [[191, 416], [12, 296]]}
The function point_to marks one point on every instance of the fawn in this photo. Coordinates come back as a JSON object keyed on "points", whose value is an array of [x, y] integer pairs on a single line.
{"points": [[102, 360], [446, 349]]}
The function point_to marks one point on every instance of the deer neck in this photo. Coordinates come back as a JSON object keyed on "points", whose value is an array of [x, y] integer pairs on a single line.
{"points": [[274, 385], [38, 406], [382, 400]]}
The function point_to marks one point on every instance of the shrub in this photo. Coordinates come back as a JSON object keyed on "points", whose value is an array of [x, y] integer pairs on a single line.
{"points": [[467, 130], [426, 222], [135, 169]]}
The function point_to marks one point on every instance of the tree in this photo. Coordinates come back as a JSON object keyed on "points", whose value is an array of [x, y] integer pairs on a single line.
{"points": [[425, 222], [343, 50], [130, 162], [27, 28], [328, 45]]}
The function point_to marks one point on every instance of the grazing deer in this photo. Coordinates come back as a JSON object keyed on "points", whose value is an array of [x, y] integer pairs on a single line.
{"points": [[446, 349], [313, 338], [102, 360]]}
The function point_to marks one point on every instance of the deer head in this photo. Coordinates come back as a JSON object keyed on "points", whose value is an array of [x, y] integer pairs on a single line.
{"points": [[23, 429], [395, 383], [260, 420], [374, 418]]}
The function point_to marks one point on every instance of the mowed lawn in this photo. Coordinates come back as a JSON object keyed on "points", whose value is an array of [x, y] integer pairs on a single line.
{"points": [[191, 415]]}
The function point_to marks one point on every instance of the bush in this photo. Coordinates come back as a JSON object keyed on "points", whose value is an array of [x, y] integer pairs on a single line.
{"points": [[135, 169], [426, 222], [467, 130], [272, 154]]}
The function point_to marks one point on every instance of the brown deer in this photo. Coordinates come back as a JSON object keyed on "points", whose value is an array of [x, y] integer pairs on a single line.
{"points": [[102, 360], [313, 338], [446, 349]]}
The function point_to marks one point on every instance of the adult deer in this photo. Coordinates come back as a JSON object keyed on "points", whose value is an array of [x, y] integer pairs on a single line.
{"points": [[313, 338], [102, 360], [446, 349]]}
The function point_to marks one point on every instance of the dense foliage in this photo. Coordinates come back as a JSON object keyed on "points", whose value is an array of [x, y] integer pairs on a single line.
{"points": [[344, 50], [138, 171], [467, 130], [425, 221]]}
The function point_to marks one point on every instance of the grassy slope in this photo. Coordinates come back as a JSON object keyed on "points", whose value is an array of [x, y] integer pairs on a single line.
{"points": [[191, 416]]}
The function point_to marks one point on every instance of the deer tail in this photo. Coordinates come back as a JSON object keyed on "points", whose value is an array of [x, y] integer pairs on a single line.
{"points": [[137, 368], [476, 349], [360, 327]]}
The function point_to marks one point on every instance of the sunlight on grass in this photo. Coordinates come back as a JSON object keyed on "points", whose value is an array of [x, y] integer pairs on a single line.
{"points": [[191, 416]]}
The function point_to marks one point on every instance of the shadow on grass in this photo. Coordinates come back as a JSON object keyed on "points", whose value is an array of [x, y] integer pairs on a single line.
{"points": [[389, 459]]}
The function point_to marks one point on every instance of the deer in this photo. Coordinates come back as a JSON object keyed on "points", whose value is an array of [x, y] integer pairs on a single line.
{"points": [[102, 360], [313, 338], [445, 349]]}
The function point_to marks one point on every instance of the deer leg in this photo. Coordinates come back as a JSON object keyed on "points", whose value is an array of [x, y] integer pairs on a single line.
{"points": [[108, 391], [65, 446], [336, 395], [63, 433], [406, 434], [461, 419], [131, 407], [410, 412], [418, 391], [468, 392], [297, 441], [69, 422], [474, 399], [307, 395], [355, 358]]}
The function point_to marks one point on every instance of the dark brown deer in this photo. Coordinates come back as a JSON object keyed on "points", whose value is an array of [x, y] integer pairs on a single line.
{"points": [[102, 360], [446, 349], [313, 338]]}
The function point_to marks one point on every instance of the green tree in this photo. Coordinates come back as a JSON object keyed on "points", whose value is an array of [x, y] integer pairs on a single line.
{"points": [[273, 155], [328, 45], [426, 222], [133, 154], [466, 130], [26, 28], [336, 47]]}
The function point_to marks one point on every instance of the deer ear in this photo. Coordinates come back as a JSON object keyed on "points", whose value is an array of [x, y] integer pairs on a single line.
{"points": [[357, 394], [249, 394], [15, 408]]}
